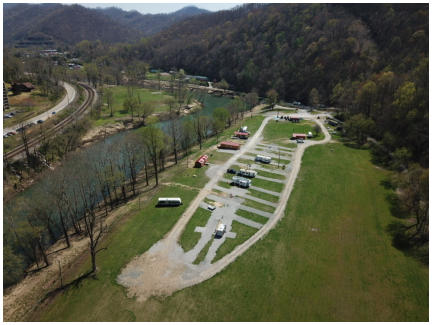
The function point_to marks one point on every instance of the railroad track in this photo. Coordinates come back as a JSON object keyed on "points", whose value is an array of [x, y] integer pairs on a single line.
{"points": [[60, 126]]}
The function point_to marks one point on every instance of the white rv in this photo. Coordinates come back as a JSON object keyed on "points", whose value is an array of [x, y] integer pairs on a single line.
{"points": [[220, 230], [244, 129], [309, 134], [247, 173], [169, 202], [241, 182], [263, 159]]}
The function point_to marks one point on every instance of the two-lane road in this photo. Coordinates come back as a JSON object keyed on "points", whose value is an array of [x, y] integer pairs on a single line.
{"points": [[67, 99]]}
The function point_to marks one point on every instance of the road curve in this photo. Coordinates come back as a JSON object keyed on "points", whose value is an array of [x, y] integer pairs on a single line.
{"points": [[161, 270], [67, 99]]}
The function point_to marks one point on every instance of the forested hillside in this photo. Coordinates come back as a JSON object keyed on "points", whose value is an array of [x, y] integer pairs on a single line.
{"points": [[368, 59], [150, 24], [65, 24]]}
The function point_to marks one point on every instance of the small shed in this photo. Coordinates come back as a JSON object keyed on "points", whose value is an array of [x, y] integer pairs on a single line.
{"points": [[299, 136], [201, 161], [229, 145]]}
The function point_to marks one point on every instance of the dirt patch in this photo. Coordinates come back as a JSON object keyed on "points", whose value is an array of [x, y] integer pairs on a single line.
{"points": [[100, 132]]}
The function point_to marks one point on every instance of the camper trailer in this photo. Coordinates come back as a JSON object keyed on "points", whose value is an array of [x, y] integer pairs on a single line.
{"points": [[247, 173], [220, 230], [201, 161], [241, 182], [169, 202], [263, 159]]}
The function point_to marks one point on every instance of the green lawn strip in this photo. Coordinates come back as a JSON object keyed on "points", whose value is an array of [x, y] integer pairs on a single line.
{"points": [[264, 196], [345, 270], [267, 185], [258, 205], [202, 254], [190, 238], [251, 216], [194, 177], [270, 175], [216, 157], [224, 184], [242, 231], [271, 166]]}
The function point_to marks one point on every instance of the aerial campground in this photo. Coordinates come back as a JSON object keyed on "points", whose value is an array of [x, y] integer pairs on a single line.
{"points": [[216, 162]]}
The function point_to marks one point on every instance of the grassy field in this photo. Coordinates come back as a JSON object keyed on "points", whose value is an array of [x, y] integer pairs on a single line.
{"points": [[243, 233], [252, 216], [155, 98], [190, 238], [280, 132], [329, 259]]}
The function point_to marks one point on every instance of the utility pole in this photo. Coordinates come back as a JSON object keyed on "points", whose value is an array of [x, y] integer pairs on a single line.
{"points": [[61, 276], [279, 159]]}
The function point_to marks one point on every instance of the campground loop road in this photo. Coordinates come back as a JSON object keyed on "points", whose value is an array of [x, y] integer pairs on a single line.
{"points": [[160, 271], [17, 152]]}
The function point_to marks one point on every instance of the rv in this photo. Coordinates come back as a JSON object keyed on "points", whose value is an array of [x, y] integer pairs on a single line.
{"points": [[247, 173], [220, 230], [263, 159], [169, 202], [241, 182], [244, 129]]}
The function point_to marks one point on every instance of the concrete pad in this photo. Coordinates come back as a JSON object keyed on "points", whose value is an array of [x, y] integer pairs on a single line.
{"points": [[227, 151], [246, 196], [273, 154]]}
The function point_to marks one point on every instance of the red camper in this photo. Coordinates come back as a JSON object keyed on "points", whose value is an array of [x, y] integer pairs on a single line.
{"points": [[299, 136], [229, 145], [241, 135], [201, 161]]}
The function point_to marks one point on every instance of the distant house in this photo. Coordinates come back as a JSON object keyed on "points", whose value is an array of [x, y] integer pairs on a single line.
{"points": [[299, 136], [18, 88]]}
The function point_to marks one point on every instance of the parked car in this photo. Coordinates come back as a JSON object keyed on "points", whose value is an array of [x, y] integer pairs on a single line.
{"points": [[211, 207], [300, 141], [7, 116], [11, 133], [40, 121], [53, 113], [12, 114], [231, 171], [5, 135]]}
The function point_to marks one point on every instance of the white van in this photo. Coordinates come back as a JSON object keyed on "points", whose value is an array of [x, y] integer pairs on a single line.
{"points": [[169, 202]]}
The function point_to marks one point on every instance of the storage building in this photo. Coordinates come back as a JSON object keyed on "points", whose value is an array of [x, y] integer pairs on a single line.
{"points": [[299, 136], [241, 135], [229, 145], [201, 161]]}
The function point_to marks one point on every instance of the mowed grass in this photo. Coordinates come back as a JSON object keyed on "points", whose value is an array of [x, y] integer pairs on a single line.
{"points": [[251, 216], [267, 185], [264, 196], [243, 233], [258, 205], [346, 271], [280, 132], [190, 238]]}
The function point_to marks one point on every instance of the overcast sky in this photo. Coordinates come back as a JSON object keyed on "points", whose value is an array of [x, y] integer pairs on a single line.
{"points": [[156, 8]]}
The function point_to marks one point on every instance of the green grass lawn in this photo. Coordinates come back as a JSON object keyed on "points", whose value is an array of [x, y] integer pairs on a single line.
{"points": [[270, 175], [224, 184], [243, 233], [280, 132], [258, 205], [190, 238], [252, 216], [155, 98], [264, 196], [267, 185], [329, 259]]}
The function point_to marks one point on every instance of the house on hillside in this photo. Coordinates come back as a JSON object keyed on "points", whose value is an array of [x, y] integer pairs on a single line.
{"points": [[18, 88]]}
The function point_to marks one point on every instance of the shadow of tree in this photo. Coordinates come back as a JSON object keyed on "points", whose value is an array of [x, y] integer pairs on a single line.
{"points": [[404, 242]]}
